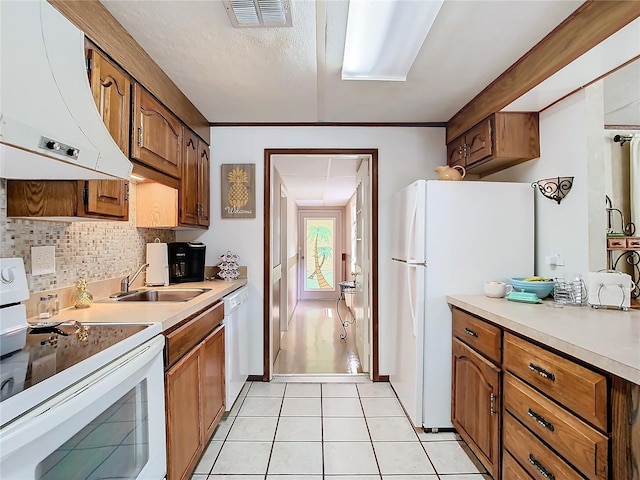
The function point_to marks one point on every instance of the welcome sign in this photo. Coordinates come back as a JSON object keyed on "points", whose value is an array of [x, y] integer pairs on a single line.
{"points": [[238, 190]]}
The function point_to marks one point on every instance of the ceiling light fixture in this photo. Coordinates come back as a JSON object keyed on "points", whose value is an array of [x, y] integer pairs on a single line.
{"points": [[385, 36], [258, 13]]}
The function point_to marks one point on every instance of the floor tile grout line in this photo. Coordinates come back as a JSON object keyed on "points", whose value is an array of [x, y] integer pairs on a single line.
{"points": [[273, 442], [224, 440], [375, 455]]}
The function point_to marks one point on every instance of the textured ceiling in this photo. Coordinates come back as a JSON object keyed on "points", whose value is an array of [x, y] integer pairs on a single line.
{"points": [[293, 74]]}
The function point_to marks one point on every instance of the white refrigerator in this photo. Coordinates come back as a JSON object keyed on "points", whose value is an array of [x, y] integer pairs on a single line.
{"points": [[448, 238]]}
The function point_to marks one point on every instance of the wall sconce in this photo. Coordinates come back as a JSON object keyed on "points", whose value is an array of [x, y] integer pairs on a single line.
{"points": [[554, 188]]}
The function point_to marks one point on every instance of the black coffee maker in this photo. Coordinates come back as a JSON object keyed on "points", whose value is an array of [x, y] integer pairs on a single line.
{"points": [[186, 261]]}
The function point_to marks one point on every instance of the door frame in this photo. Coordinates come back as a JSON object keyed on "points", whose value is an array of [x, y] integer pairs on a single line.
{"points": [[266, 222]]}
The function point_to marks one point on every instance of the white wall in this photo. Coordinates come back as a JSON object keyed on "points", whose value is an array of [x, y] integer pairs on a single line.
{"points": [[570, 145], [404, 155]]}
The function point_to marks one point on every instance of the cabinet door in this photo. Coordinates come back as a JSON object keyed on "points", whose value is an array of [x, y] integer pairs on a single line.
{"points": [[108, 198], [475, 408], [212, 381], [455, 152], [111, 89], [204, 182], [156, 138], [182, 384], [478, 142], [189, 180]]}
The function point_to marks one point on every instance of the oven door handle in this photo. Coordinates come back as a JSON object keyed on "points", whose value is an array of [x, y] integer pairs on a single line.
{"points": [[17, 434]]}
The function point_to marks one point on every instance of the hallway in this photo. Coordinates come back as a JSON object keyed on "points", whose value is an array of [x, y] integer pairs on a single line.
{"points": [[312, 345]]}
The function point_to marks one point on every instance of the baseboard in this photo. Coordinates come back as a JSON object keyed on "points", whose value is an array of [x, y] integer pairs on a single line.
{"points": [[254, 378], [383, 378]]}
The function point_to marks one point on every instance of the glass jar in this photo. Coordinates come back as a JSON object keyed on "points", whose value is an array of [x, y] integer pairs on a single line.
{"points": [[54, 304], [43, 308]]}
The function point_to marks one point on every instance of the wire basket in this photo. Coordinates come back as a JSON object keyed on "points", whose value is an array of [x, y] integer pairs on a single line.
{"points": [[570, 292]]}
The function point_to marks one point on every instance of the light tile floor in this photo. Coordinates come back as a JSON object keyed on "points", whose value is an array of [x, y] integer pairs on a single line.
{"points": [[280, 431]]}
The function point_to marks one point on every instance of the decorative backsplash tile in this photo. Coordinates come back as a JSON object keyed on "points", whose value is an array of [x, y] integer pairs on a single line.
{"points": [[97, 250]]}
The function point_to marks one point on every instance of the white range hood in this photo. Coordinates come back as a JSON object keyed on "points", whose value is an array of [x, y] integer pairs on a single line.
{"points": [[50, 127]]}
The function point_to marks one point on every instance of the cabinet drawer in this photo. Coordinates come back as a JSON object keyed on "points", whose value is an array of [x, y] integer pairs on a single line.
{"points": [[483, 337], [579, 389], [182, 339], [537, 459], [511, 470], [580, 444]]}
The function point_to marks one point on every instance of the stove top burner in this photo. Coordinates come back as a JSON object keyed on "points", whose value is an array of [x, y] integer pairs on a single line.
{"points": [[54, 348]]}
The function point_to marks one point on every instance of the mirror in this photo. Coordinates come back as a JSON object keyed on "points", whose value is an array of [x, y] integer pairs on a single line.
{"points": [[621, 92], [621, 99]]}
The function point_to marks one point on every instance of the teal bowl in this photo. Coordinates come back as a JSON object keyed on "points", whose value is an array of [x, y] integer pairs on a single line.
{"points": [[541, 289]]}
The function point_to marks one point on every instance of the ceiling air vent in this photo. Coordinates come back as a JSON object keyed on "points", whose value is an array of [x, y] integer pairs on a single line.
{"points": [[258, 13]]}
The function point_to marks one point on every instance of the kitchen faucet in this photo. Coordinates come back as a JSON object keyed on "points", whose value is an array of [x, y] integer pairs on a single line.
{"points": [[126, 281]]}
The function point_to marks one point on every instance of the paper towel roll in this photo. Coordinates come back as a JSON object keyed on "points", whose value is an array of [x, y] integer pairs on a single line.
{"points": [[158, 269]]}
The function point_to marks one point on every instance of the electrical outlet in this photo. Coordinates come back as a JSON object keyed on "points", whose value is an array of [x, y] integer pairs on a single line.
{"points": [[43, 260]]}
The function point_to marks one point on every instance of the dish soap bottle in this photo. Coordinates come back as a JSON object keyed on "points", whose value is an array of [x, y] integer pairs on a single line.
{"points": [[82, 297]]}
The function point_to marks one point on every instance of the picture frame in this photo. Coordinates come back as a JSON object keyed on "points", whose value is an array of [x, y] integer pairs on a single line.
{"points": [[238, 190]]}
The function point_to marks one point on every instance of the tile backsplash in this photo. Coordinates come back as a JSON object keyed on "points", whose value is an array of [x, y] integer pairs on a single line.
{"points": [[97, 250]]}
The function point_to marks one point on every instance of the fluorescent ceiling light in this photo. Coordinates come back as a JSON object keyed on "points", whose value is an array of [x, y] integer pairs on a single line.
{"points": [[258, 13], [385, 36]]}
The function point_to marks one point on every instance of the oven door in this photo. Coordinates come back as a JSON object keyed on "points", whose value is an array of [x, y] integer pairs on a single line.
{"points": [[109, 425]]}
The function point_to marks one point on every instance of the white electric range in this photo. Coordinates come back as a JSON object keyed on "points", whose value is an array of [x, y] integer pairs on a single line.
{"points": [[78, 401]]}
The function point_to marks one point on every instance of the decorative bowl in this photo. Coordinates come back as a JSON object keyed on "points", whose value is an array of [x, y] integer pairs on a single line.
{"points": [[541, 289]]}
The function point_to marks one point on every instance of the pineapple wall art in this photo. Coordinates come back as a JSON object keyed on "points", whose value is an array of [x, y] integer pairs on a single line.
{"points": [[238, 190]]}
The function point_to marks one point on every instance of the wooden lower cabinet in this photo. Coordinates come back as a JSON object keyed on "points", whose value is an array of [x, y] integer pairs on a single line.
{"points": [[534, 456], [511, 469], [212, 381], [194, 389], [556, 417], [475, 408], [182, 384]]}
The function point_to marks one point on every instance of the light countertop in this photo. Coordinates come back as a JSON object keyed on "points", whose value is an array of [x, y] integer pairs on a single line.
{"points": [[606, 339], [166, 313]]}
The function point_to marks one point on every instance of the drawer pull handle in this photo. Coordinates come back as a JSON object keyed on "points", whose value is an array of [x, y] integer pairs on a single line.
{"points": [[542, 372], [541, 420], [543, 471], [471, 332]]}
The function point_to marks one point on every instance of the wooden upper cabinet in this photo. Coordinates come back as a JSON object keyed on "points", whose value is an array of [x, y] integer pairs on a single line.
{"points": [[99, 199], [194, 184], [478, 142], [111, 90], [107, 198], [189, 180], [455, 152], [499, 141], [204, 182], [156, 136]]}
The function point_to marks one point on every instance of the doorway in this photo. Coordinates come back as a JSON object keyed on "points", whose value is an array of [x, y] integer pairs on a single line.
{"points": [[325, 264]]}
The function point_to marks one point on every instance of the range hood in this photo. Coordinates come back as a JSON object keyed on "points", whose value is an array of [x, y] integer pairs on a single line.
{"points": [[50, 127]]}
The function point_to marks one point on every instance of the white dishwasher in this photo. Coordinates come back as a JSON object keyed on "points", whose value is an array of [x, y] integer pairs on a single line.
{"points": [[236, 343]]}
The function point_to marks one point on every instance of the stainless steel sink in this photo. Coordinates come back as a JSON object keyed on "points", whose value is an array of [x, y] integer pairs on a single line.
{"points": [[169, 295]]}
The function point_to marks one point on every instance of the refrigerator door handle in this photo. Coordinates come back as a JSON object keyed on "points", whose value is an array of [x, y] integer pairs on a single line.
{"points": [[412, 227], [411, 305]]}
